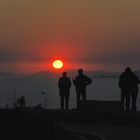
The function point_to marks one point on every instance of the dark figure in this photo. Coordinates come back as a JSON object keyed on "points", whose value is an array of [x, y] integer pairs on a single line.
{"points": [[128, 82], [64, 85], [80, 82], [21, 102]]}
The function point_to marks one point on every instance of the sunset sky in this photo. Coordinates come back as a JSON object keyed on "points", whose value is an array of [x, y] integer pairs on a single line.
{"points": [[92, 34]]}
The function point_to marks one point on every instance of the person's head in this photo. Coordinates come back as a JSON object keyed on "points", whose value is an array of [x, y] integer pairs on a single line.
{"points": [[80, 71], [64, 74], [22, 97], [128, 69]]}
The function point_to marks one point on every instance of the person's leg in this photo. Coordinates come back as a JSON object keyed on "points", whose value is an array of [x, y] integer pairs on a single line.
{"points": [[127, 96], [78, 98], [62, 102], [83, 96], [134, 97], [67, 102], [134, 94], [83, 93], [122, 100]]}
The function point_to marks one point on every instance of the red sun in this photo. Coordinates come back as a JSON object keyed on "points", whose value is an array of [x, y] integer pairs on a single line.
{"points": [[57, 64]]}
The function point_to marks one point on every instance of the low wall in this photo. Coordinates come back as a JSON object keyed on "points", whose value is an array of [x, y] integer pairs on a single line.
{"points": [[100, 106]]}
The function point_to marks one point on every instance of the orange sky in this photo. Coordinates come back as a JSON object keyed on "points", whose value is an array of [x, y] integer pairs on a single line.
{"points": [[95, 35]]}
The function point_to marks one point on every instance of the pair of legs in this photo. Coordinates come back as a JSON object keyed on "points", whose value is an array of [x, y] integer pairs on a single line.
{"points": [[134, 94], [64, 102], [125, 99], [79, 94]]}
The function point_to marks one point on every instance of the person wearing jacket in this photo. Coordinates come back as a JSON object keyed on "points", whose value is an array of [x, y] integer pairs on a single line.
{"points": [[80, 82], [64, 85], [128, 83]]}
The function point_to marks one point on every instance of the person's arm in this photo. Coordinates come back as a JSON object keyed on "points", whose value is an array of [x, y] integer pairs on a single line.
{"points": [[70, 83], [59, 83], [73, 81], [119, 83], [88, 80], [138, 81]]}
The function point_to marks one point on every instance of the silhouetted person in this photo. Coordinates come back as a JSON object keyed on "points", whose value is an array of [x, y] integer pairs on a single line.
{"points": [[80, 82], [21, 102], [64, 85], [128, 82]]}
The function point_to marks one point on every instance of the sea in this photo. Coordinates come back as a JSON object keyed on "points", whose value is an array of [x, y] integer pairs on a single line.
{"points": [[42, 91]]}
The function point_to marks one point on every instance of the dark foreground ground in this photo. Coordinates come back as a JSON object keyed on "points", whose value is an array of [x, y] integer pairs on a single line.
{"points": [[39, 124]]}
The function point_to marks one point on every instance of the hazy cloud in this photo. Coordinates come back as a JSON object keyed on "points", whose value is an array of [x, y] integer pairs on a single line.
{"points": [[89, 32]]}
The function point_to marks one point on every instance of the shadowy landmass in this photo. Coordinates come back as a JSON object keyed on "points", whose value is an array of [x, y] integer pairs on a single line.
{"points": [[42, 74]]}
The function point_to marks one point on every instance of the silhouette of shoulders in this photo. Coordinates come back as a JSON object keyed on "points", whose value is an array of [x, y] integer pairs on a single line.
{"points": [[64, 82], [128, 79], [82, 80]]}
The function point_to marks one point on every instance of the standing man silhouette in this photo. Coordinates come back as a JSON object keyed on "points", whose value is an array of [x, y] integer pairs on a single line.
{"points": [[80, 82], [128, 82], [64, 85]]}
